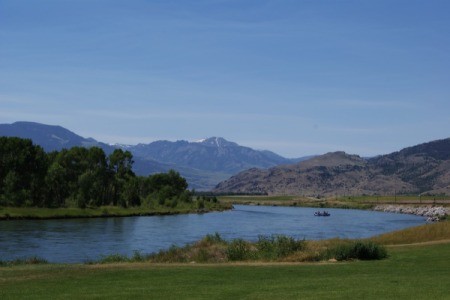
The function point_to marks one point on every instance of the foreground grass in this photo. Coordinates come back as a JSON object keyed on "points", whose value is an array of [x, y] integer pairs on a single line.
{"points": [[104, 211], [419, 272]]}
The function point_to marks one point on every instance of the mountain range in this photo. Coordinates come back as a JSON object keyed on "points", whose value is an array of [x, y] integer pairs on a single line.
{"points": [[226, 167], [204, 163], [423, 169]]}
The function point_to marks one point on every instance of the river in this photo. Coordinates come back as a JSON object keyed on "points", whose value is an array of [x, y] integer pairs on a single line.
{"points": [[80, 240]]}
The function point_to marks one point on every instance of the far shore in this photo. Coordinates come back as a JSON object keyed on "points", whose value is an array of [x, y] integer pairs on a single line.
{"points": [[397, 204], [434, 209], [35, 213]]}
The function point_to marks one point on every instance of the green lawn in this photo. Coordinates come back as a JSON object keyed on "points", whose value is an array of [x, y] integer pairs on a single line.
{"points": [[412, 272]]}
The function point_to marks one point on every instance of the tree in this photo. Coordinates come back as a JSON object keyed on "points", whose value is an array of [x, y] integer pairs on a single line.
{"points": [[22, 169], [57, 186], [81, 176], [120, 165]]}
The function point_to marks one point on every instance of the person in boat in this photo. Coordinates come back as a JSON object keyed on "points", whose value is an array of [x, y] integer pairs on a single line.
{"points": [[322, 214]]}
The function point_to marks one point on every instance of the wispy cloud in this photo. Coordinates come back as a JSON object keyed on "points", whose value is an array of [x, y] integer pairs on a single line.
{"points": [[170, 115], [374, 103], [355, 130], [16, 99]]}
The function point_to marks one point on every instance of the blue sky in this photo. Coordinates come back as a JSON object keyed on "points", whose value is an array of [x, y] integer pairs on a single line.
{"points": [[294, 77]]}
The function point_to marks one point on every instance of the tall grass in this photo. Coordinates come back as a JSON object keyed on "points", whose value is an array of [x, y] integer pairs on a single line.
{"points": [[214, 249], [278, 246], [424, 233], [34, 260]]}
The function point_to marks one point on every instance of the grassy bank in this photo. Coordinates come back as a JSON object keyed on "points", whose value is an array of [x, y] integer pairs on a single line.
{"points": [[279, 248], [11, 213], [421, 234], [357, 202], [419, 272]]}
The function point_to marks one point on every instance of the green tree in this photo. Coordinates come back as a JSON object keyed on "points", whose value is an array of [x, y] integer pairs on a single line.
{"points": [[22, 169], [120, 165], [57, 186]]}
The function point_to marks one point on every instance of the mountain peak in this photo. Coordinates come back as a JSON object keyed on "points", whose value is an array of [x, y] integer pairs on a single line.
{"points": [[333, 159], [217, 142]]}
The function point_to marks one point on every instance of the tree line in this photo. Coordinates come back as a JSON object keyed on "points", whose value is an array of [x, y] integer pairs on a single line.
{"points": [[83, 177]]}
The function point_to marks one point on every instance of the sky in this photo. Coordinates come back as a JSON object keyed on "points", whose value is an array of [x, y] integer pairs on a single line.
{"points": [[291, 76]]}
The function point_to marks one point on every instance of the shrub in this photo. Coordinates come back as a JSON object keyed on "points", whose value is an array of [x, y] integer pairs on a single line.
{"points": [[201, 204], [364, 250], [112, 258], [138, 256], [34, 260], [239, 249], [277, 246], [213, 238], [173, 203], [174, 254]]}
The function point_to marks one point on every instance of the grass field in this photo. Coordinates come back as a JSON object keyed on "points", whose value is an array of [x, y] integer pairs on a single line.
{"points": [[411, 272]]}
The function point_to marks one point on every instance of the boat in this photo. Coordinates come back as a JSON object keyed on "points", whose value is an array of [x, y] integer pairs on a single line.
{"points": [[322, 214]]}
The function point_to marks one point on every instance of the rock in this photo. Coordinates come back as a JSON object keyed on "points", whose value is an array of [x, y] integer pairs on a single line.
{"points": [[432, 213]]}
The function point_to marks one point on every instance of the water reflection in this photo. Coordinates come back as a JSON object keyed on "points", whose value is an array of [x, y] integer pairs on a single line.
{"points": [[78, 240]]}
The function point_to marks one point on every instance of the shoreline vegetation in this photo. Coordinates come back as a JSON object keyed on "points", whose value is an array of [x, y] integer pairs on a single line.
{"points": [[36, 213], [212, 249], [432, 207]]}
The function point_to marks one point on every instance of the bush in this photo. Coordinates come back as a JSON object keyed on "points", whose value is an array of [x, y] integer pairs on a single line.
{"points": [[173, 255], [277, 246], [201, 204], [172, 203], [34, 260], [112, 258], [239, 249], [213, 238], [357, 250], [138, 256]]}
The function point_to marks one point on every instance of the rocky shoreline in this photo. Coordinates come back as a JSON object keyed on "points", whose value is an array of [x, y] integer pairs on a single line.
{"points": [[432, 213]]}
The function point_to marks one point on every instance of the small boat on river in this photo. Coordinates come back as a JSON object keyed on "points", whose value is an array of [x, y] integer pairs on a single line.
{"points": [[322, 214]]}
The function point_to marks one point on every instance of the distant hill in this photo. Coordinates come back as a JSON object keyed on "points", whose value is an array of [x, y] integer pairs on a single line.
{"points": [[423, 168], [204, 163], [48, 137], [213, 154]]}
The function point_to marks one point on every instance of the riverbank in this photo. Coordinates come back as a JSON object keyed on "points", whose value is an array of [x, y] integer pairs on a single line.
{"points": [[432, 213], [430, 207], [36, 213], [398, 275], [417, 272]]}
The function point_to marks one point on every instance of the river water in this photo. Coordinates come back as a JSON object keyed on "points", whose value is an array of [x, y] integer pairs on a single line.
{"points": [[80, 240]]}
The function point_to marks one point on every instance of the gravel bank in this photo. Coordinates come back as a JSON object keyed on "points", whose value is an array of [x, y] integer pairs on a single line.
{"points": [[432, 213]]}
